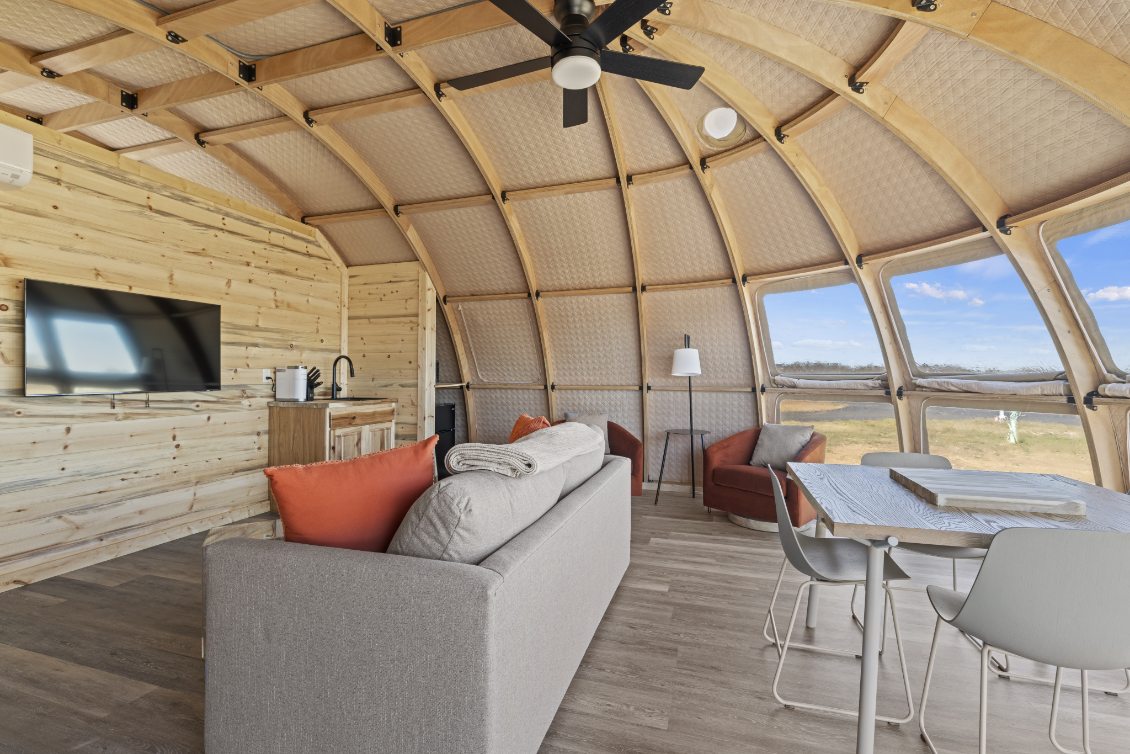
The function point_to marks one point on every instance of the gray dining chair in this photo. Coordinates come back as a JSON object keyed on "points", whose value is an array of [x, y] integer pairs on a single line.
{"points": [[1054, 596], [834, 562]]}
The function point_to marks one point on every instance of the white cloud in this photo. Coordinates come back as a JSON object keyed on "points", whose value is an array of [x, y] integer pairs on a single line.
{"points": [[940, 292], [1122, 230], [827, 344], [1110, 293]]}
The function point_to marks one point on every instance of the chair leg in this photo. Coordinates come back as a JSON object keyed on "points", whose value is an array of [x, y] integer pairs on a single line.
{"points": [[926, 687], [983, 712], [770, 620], [902, 657], [1084, 688], [790, 704], [858, 621]]}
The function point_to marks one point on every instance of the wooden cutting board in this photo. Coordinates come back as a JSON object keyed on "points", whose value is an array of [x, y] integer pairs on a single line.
{"points": [[993, 491]]}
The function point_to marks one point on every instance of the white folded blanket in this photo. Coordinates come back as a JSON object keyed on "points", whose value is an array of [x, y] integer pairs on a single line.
{"points": [[535, 452]]}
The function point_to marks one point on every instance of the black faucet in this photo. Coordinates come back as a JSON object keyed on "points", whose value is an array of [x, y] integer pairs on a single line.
{"points": [[334, 387]]}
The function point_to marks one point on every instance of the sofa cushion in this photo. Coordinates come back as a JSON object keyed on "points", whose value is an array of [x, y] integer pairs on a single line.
{"points": [[356, 504], [466, 517], [579, 468], [527, 425], [753, 479], [777, 444], [596, 421]]}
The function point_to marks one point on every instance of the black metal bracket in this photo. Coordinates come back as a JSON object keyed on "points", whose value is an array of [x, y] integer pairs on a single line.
{"points": [[445, 299], [665, 7], [647, 29], [926, 6], [1002, 225], [505, 197], [649, 387], [703, 165], [129, 100], [440, 93], [34, 119], [247, 72], [859, 261], [631, 179], [309, 121], [394, 35], [553, 387], [47, 73], [467, 386], [626, 44], [899, 393], [643, 289], [780, 135], [1089, 400], [200, 140], [763, 388], [537, 295], [396, 210], [745, 279], [173, 37], [855, 85]]}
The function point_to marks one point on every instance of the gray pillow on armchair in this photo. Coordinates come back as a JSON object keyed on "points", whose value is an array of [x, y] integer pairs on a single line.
{"points": [[598, 422], [777, 444]]}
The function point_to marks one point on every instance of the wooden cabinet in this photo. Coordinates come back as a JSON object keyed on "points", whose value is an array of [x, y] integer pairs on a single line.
{"points": [[329, 430]]}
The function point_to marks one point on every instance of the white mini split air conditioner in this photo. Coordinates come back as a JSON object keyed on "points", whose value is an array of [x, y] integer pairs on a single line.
{"points": [[15, 158]]}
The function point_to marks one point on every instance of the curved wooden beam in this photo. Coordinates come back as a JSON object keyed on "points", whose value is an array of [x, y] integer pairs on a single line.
{"points": [[608, 109], [684, 135], [1091, 72], [143, 20], [1023, 246], [371, 22], [738, 96]]}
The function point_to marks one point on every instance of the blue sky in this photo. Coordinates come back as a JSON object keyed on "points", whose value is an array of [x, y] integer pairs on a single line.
{"points": [[977, 315], [1100, 262]]}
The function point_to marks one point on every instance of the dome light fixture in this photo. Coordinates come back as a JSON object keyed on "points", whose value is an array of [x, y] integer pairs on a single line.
{"points": [[575, 71], [721, 127]]}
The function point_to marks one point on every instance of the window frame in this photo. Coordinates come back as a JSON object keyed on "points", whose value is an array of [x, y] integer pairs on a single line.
{"points": [[808, 283], [1086, 220], [972, 250]]}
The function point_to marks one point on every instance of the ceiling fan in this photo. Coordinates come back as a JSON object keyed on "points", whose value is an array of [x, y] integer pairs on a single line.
{"points": [[580, 53]]}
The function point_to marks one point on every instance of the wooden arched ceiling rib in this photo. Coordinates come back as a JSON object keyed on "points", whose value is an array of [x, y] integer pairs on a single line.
{"points": [[1023, 245], [611, 122], [1088, 70], [371, 22], [736, 95], [684, 135], [107, 95], [142, 20]]}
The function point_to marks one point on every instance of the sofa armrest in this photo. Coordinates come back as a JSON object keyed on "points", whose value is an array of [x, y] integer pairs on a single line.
{"points": [[323, 649], [813, 451]]}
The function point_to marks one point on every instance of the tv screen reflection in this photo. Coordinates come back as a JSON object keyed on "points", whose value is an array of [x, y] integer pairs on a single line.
{"points": [[83, 341]]}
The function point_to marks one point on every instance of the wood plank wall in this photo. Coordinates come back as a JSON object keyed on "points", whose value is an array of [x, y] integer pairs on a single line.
{"points": [[82, 482], [392, 341]]}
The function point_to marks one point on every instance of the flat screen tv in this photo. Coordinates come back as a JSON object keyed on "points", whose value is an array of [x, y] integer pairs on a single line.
{"points": [[89, 341]]}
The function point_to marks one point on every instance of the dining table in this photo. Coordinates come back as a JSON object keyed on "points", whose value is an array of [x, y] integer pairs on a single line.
{"points": [[865, 503]]}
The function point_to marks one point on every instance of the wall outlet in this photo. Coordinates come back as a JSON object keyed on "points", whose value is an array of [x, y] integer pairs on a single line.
{"points": [[268, 376]]}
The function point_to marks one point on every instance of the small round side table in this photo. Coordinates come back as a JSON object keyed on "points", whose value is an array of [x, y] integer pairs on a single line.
{"points": [[691, 433]]}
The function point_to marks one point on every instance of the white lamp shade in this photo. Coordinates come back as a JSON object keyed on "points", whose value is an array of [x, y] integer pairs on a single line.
{"points": [[686, 363]]}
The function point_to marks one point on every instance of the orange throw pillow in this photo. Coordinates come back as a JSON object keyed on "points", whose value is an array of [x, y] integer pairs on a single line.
{"points": [[527, 425], [356, 504]]}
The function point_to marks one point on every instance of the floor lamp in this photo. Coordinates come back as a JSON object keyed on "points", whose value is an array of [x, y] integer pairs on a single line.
{"points": [[686, 364]]}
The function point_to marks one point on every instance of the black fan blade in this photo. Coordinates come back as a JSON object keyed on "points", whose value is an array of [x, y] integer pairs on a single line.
{"points": [[530, 17], [574, 107], [498, 74], [659, 71], [616, 19]]}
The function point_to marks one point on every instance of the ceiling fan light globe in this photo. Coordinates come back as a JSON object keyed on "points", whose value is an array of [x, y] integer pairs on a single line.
{"points": [[575, 72], [720, 122]]}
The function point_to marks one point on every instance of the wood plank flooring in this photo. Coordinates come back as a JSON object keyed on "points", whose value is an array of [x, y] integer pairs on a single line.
{"points": [[107, 659]]}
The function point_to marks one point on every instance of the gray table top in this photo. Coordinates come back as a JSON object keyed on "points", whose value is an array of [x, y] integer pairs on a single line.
{"points": [[865, 503]]}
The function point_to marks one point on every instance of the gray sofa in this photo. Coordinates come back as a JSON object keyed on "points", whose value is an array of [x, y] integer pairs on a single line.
{"points": [[313, 649]]}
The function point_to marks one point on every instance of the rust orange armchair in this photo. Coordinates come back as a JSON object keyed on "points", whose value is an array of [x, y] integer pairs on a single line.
{"points": [[623, 443], [730, 484]]}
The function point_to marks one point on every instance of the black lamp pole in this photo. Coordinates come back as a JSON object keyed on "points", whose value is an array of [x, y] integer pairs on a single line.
{"points": [[690, 404]]}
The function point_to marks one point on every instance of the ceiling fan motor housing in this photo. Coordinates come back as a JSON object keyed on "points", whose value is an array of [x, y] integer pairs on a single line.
{"points": [[573, 13]]}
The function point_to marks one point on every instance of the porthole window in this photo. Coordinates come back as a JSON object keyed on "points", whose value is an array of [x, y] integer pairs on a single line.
{"points": [[721, 128]]}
